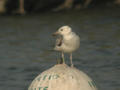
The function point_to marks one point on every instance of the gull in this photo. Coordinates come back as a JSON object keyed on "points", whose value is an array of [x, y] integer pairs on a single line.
{"points": [[67, 42]]}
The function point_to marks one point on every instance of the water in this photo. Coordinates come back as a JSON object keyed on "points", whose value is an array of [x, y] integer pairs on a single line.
{"points": [[26, 41]]}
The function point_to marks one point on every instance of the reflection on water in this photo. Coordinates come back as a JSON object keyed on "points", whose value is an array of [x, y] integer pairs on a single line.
{"points": [[26, 44]]}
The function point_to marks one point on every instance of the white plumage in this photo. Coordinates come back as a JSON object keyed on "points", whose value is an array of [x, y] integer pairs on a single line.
{"points": [[68, 41]]}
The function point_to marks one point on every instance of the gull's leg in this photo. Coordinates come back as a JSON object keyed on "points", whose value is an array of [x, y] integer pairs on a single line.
{"points": [[71, 60], [59, 60], [63, 59]]}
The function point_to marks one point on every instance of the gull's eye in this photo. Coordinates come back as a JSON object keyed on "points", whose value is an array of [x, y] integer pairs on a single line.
{"points": [[61, 30]]}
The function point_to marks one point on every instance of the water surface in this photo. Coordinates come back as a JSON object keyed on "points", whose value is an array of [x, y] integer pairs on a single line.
{"points": [[26, 41]]}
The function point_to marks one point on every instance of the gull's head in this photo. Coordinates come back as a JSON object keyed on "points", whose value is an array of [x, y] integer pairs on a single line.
{"points": [[64, 30]]}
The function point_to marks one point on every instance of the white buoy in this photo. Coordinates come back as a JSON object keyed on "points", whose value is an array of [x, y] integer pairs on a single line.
{"points": [[62, 77]]}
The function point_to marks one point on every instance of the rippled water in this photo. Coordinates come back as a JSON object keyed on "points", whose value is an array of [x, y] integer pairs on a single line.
{"points": [[26, 41]]}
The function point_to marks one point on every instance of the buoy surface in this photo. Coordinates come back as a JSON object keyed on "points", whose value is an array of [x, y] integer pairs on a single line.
{"points": [[62, 77]]}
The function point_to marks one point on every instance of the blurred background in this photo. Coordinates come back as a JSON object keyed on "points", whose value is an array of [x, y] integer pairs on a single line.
{"points": [[26, 42], [38, 6]]}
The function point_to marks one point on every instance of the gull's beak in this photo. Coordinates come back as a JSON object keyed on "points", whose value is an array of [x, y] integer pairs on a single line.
{"points": [[55, 34]]}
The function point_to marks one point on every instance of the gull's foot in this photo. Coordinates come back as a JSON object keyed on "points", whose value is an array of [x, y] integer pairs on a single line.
{"points": [[72, 65]]}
